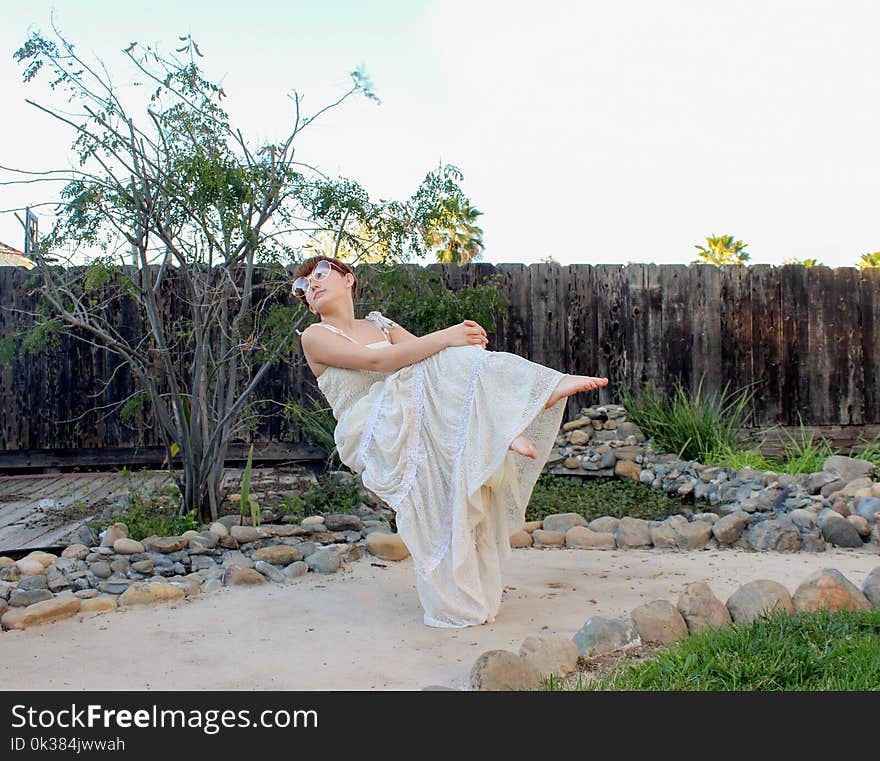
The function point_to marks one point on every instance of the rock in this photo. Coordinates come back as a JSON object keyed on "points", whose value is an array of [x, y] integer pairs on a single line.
{"points": [[868, 508], [542, 538], [812, 541], [853, 487], [245, 534], [503, 670], [235, 575], [38, 581], [632, 533], [236, 559], [803, 519], [562, 522], [354, 552], [164, 544], [521, 539], [848, 468], [532, 525], [279, 554], [10, 573], [829, 589], [312, 520], [128, 547], [628, 452], [48, 611], [862, 526], [757, 597], [780, 535], [115, 586], [572, 463], [550, 655], [728, 529], [659, 621], [29, 567], [295, 570], [602, 635], [701, 609], [75, 552], [148, 592], [21, 598], [628, 469], [86, 594], [323, 561], [114, 532], [675, 532], [343, 522], [840, 532], [98, 604], [101, 569], [201, 544], [387, 546], [607, 524], [270, 571], [871, 587], [575, 424], [585, 538], [143, 566], [218, 530]]}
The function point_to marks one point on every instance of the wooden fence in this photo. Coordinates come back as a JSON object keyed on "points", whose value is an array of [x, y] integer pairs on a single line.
{"points": [[807, 339]]}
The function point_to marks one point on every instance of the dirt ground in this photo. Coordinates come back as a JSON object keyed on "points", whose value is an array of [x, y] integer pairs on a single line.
{"points": [[361, 629]]}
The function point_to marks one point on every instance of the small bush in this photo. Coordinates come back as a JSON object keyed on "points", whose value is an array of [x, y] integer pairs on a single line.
{"points": [[152, 517]]}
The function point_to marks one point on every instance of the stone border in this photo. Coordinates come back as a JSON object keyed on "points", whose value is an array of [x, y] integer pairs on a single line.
{"points": [[663, 623]]}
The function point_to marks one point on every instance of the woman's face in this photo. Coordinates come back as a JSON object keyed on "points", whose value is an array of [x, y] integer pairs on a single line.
{"points": [[329, 289]]}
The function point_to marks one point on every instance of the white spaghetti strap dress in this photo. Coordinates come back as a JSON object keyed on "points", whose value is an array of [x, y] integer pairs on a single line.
{"points": [[432, 440]]}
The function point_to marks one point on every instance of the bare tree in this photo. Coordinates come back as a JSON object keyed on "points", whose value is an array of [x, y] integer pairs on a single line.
{"points": [[181, 209]]}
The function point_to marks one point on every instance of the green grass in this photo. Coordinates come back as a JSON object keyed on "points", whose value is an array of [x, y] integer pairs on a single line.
{"points": [[778, 652], [599, 496]]}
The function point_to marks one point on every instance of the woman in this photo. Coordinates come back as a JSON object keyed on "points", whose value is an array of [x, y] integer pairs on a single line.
{"points": [[451, 436]]}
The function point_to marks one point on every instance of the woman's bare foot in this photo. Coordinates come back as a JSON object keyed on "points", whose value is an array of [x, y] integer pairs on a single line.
{"points": [[572, 384], [525, 447]]}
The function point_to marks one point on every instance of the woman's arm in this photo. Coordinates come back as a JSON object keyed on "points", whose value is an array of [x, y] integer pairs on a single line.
{"points": [[410, 350]]}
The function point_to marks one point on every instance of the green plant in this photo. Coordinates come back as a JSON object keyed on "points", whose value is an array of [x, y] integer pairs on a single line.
{"points": [[318, 424], [597, 497], [776, 652], [871, 451], [722, 249], [247, 501], [693, 427], [152, 517]]}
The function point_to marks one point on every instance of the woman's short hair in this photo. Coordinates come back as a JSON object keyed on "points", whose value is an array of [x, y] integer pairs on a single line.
{"points": [[306, 267]]}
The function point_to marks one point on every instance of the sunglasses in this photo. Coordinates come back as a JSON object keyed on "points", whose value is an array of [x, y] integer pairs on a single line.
{"points": [[302, 285]]}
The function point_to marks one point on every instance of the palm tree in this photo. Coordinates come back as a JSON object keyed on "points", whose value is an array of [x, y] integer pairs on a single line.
{"points": [[869, 260], [722, 250], [803, 262], [456, 238]]}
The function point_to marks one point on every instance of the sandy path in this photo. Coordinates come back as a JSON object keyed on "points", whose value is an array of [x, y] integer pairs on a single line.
{"points": [[361, 629]]}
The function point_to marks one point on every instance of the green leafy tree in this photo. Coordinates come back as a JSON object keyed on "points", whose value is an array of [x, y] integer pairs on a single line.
{"points": [[722, 249], [181, 208]]}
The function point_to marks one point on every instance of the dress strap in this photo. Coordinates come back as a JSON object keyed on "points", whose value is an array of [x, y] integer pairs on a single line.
{"points": [[382, 322], [334, 329]]}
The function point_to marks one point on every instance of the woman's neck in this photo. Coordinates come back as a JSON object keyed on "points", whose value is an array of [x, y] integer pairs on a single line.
{"points": [[343, 319]]}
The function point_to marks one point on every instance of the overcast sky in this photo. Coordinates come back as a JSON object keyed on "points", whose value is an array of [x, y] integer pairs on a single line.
{"points": [[591, 132]]}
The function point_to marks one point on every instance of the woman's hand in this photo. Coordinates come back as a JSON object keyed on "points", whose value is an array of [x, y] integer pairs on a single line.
{"points": [[466, 333]]}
